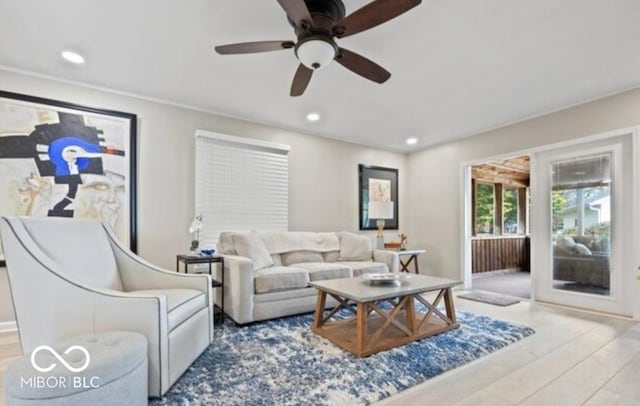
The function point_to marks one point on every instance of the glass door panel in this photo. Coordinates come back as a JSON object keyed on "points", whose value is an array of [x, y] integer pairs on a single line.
{"points": [[582, 236], [581, 204]]}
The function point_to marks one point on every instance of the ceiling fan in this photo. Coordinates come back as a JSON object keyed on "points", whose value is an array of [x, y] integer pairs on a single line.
{"points": [[317, 23]]}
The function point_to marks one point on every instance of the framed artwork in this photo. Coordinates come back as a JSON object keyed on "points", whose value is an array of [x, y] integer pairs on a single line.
{"points": [[59, 159], [377, 184]]}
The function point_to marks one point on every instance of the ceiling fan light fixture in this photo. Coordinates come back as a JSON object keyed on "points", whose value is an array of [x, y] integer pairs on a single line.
{"points": [[316, 24], [316, 53]]}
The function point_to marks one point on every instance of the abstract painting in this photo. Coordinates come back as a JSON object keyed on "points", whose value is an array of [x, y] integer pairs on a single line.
{"points": [[63, 160], [377, 184], [379, 190]]}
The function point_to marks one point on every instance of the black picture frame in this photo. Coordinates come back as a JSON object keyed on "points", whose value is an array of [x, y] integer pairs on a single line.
{"points": [[365, 173], [80, 124]]}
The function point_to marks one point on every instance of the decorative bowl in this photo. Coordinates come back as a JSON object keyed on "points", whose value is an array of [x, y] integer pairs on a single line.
{"points": [[207, 252], [384, 279]]}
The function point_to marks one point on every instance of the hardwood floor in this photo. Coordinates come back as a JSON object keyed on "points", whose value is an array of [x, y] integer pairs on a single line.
{"points": [[9, 350], [575, 358]]}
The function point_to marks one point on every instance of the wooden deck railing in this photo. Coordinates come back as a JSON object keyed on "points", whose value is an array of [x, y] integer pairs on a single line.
{"points": [[496, 253]]}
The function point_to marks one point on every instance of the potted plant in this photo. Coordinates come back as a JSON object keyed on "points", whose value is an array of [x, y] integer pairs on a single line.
{"points": [[195, 227]]}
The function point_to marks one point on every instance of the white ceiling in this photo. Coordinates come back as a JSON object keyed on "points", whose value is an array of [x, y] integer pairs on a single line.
{"points": [[459, 66]]}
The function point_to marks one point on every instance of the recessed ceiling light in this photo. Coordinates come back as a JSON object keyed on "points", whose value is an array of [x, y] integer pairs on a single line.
{"points": [[412, 141], [73, 57], [313, 117]]}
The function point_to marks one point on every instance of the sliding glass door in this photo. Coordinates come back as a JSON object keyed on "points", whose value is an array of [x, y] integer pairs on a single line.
{"points": [[581, 204]]}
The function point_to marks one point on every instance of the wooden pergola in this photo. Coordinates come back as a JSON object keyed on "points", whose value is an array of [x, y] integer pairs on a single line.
{"points": [[513, 172]]}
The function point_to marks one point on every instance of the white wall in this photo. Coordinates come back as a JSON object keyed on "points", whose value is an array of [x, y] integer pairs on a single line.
{"points": [[323, 172], [435, 174], [323, 184]]}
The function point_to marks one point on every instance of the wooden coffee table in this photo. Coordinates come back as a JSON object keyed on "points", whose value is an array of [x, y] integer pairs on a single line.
{"points": [[371, 328]]}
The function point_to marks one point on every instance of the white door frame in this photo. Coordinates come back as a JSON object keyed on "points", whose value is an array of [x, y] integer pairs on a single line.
{"points": [[635, 164], [465, 206], [620, 300]]}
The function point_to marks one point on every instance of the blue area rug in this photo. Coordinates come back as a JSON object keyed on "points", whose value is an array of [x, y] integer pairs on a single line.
{"points": [[280, 362]]}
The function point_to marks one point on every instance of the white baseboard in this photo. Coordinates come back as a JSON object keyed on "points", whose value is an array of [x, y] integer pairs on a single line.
{"points": [[8, 326]]}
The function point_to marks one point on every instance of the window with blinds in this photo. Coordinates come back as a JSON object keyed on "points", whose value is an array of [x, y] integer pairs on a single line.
{"points": [[241, 185]]}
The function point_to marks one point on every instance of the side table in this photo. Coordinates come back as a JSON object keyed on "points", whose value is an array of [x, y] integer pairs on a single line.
{"points": [[218, 311], [413, 257]]}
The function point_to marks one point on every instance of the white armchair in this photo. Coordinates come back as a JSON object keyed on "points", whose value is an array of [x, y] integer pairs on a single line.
{"points": [[73, 277]]}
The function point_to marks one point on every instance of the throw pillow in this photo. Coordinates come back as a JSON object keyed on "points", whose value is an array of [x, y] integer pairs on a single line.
{"points": [[225, 244], [331, 256], [251, 246], [566, 242], [582, 249], [354, 247], [299, 257]]}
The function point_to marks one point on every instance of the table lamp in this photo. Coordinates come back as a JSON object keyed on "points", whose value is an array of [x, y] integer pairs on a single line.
{"points": [[380, 211]]}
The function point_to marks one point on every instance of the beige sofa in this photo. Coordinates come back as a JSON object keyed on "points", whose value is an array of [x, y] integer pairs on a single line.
{"points": [[267, 275]]}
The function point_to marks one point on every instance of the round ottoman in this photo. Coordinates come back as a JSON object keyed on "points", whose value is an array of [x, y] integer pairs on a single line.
{"points": [[107, 368]]}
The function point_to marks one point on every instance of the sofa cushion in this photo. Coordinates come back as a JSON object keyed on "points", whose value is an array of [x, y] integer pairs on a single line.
{"points": [[251, 246], [277, 259], [279, 242], [279, 278], [181, 303], [297, 257], [365, 267], [354, 247], [331, 256], [288, 295], [582, 249], [320, 271]]}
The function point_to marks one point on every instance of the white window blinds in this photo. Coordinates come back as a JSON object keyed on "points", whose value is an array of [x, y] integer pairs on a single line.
{"points": [[241, 185]]}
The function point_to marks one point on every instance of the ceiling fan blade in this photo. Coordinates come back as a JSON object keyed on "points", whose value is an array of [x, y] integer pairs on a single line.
{"points": [[373, 14], [253, 47], [297, 10], [362, 66], [301, 80]]}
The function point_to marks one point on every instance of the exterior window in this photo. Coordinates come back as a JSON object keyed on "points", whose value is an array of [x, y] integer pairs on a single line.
{"points": [[240, 184], [510, 211], [485, 208]]}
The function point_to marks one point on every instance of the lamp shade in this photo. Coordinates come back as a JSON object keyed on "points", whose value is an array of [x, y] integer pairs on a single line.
{"points": [[381, 210], [315, 53]]}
